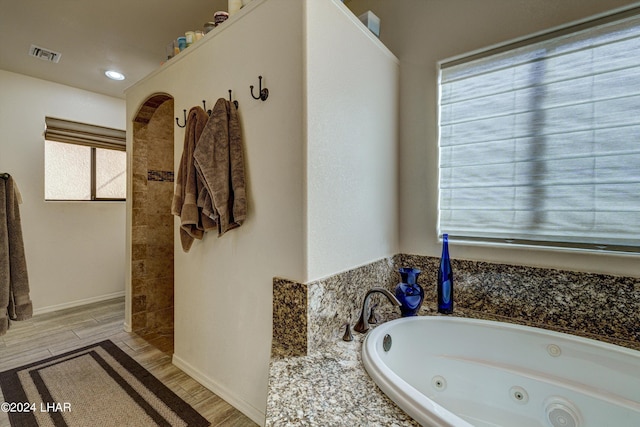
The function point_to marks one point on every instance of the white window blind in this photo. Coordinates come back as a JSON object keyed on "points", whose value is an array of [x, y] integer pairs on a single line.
{"points": [[84, 134], [540, 143], [84, 161]]}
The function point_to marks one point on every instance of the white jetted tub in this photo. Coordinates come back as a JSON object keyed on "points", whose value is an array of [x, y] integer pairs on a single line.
{"points": [[458, 372]]}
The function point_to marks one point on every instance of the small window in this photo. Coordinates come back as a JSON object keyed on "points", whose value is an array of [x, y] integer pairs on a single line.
{"points": [[539, 140], [84, 162]]}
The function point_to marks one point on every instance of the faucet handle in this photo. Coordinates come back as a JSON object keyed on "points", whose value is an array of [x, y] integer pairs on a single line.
{"points": [[347, 333], [373, 319]]}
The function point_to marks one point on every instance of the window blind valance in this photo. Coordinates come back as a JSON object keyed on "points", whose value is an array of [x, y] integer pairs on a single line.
{"points": [[540, 144], [84, 134]]}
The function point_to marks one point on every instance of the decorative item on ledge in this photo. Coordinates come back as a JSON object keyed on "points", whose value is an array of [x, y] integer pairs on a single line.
{"points": [[409, 292], [445, 279], [234, 6], [371, 21], [219, 17]]}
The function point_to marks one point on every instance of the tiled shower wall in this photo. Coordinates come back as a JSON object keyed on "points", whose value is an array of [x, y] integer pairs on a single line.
{"points": [[152, 224], [308, 315]]}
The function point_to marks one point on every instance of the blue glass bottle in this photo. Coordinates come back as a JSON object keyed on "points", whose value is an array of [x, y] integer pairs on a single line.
{"points": [[445, 279], [409, 292]]}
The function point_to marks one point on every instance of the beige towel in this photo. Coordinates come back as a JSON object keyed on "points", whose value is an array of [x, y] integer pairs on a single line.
{"points": [[188, 184], [15, 302], [219, 161]]}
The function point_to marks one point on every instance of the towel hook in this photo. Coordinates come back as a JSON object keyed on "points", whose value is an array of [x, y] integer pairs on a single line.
{"points": [[263, 93], [234, 102], [204, 103], [204, 107], [185, 120]]}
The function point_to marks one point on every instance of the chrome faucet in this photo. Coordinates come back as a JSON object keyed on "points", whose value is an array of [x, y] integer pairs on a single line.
{"points": [[363, 326]]}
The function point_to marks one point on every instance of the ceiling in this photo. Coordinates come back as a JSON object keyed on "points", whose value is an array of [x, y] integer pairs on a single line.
{"points": [[94, 36]]}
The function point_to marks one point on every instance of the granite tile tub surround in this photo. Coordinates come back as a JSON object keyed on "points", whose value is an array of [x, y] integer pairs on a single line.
{"points": [[316, 379], [308, 315], [596, 306], [289, 318]]}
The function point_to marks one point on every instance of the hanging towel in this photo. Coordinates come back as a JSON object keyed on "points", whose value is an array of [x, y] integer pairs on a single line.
{"points": [[219, 161], [188, 185], [15, 302]]}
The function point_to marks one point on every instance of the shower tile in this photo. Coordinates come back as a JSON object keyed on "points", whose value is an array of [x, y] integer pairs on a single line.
{"points": [[138, 286], [161, 321], [139, 321], [139, 234], [160, 196], [139, 182], [138, 251], [160, 159], [139, 162], [139, 304], [162, 233], [139, 199], [157, 268], [138, 269], [160, 295], [139, 217], [157, 251]]}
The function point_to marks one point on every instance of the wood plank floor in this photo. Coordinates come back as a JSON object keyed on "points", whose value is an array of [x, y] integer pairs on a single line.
{"points": [[54, 333]]}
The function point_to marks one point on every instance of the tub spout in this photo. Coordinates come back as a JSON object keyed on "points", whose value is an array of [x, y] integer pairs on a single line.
{"points": [[363, 326]]}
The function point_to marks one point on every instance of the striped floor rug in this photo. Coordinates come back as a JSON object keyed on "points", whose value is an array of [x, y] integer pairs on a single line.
{"points": [[98, 385]]}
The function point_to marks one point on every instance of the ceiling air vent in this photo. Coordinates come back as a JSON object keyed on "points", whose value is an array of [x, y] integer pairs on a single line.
{"points": [[44, 54]]}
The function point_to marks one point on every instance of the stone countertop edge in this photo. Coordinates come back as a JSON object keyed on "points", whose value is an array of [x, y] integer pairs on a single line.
{"points": [[331, 387], [328, 388]]}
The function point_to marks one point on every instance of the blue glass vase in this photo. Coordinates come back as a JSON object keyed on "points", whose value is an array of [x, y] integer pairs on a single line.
{"points": [[445, 279], [408, 292]]}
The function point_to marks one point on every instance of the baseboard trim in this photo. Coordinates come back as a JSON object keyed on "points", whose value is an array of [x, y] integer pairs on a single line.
{"points": [[77, 303], [256, 415]]}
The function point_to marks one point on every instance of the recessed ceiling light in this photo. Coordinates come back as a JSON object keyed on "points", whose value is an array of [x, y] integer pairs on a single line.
{"points": [[114, 75]]}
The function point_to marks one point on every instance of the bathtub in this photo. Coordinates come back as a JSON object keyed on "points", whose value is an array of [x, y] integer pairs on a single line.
{"points": [[448, 371]]}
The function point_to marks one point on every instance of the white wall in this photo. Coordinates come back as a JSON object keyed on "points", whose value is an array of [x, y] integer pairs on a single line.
{"points": [[321, 166], [352, 142], [422, 32], [74, 250], [223, 286]]}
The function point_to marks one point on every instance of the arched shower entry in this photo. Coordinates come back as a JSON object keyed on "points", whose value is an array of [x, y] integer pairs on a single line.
{"points": [[152, 223]]}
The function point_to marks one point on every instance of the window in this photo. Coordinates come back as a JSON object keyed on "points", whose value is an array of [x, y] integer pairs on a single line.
{"points": [[540, 140], [84, 162]]}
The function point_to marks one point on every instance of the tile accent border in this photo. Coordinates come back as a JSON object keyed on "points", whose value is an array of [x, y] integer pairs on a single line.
{"points": [[162, 176], [597, 306]]}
